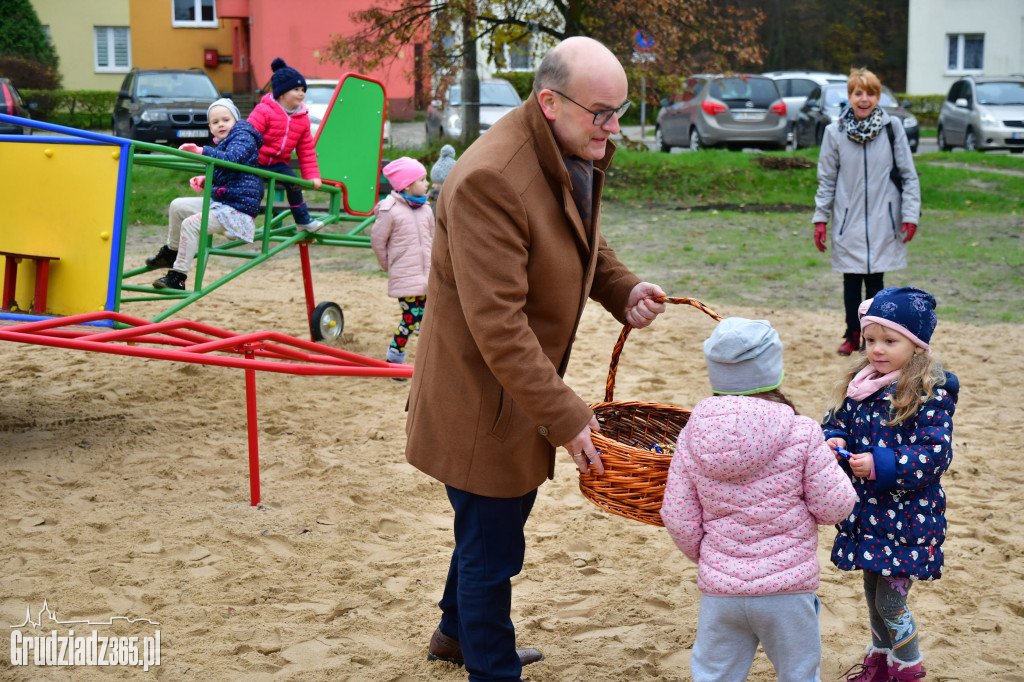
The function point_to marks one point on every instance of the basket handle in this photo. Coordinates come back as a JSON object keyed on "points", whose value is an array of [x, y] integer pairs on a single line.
{"points": [[609, 388]]}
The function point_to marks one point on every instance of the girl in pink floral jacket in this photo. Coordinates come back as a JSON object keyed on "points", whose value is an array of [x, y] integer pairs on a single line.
{"points": [[747, 488]]}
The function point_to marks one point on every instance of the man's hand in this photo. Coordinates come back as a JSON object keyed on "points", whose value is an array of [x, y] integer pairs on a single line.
{"points": [[191, 147], [196, 182], [908, 231], [819, 236], [581, 449], [641, 307]]}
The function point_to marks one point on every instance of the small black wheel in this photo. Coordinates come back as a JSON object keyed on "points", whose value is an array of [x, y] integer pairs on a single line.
{"points": [[327, 321]]}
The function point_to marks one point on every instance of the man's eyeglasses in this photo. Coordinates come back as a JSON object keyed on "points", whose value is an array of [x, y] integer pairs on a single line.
{"points": [[600, 117]]}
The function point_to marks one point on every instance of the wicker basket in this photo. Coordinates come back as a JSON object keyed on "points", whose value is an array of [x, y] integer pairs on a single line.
{"points": [[633, 482]]}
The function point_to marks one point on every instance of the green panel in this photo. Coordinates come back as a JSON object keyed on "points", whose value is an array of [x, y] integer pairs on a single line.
{"points": [[348, 144]]}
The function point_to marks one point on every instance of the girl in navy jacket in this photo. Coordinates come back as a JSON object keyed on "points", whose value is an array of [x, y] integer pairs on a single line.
{"points": [[891, 425], [234, 200]]}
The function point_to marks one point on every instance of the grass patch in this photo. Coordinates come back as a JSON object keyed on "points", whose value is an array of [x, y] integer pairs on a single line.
{"points": [[729, 179], [972, 263]]}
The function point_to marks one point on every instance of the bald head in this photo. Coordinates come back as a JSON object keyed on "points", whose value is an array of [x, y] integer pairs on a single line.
{"points": [[574, 59]]}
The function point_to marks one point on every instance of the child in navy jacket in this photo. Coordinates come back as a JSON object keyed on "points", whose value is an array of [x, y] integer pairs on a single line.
{"points": [[234, 201], [891, 426]]}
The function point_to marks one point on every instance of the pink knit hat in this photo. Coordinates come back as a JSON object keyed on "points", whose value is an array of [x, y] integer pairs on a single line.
{"points": [[404, 171]]}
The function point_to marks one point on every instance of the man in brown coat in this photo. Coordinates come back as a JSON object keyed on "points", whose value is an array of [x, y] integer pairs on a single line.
{"points": [[517, 252]]}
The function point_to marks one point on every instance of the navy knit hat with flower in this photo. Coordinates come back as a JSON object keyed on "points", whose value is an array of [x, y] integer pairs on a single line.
{"points": [[285, 78], [907, 310]]}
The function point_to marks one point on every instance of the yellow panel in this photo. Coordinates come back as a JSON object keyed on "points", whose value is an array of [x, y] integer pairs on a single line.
{"points": [[60, 200]]}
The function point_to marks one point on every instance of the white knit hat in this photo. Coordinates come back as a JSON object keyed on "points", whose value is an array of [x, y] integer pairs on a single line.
{"points": [[439, 171], [744, 357]]}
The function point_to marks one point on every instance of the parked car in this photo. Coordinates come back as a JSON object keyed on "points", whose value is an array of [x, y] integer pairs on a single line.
{"points": [[165, 106], [444, 117], [319, 93], [795, 86], [735, 111], [983, 113], [825, 104], [12, 105]]}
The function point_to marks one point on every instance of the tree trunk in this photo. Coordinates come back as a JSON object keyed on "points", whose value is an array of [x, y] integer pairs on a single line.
{"points": [[470, 77]]}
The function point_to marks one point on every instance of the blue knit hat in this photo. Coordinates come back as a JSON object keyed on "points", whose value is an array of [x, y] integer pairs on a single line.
{"points": [[907, 310], [744, 357], [285, 78]]}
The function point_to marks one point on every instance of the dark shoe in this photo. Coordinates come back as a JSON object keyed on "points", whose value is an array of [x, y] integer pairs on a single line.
{"points": [[444, 648], [172, 280], [851, 345], [164, 259]]}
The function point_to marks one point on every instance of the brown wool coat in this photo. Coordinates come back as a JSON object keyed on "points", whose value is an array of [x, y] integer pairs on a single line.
{"points": [[511, 268]]}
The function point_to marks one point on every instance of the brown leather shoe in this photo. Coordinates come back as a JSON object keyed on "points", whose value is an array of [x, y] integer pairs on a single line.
{"points": [[444, 648]]}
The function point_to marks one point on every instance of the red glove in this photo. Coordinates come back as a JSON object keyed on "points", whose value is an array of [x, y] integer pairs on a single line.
{"points": [[197, 182], [190, 147], [819, 236], [908, 231]]}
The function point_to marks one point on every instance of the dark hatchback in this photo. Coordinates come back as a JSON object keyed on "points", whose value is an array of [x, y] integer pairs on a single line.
{"points": [[826, 102], [165, 106], [12, 105]]}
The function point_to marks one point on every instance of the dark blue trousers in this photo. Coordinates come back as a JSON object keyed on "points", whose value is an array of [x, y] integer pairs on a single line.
{"points": [[296, 202], [477, 602]]}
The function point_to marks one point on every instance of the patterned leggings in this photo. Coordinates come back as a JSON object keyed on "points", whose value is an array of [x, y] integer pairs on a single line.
{"points": [[892, 625], [412, 313]]}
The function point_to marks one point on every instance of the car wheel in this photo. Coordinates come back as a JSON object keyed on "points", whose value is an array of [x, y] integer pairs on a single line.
{"points": [[659, 140], [696, 143], [940, 138], [970, 141], [791, 143]]}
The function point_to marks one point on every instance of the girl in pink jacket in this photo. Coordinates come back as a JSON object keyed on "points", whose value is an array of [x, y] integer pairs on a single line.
{"points": [[283, 120], [401, 237], [748, 485]]}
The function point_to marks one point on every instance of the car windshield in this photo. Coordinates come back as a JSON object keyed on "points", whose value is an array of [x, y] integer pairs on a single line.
{"points": [[491, 95], [319, 94], [177, 86], [835, 97], [887, 99], [1001, 92], [761, 92]]}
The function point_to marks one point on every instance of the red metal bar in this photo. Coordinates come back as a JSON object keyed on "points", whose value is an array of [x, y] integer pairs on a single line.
{"points": [[10, 280], [42, 282], [307, 282], [254, 436]]}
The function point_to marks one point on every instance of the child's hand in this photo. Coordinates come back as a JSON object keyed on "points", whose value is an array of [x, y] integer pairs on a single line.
{"points": [[316, 182], [834, 443], [861, 464], [191, 147], [197, 182]]}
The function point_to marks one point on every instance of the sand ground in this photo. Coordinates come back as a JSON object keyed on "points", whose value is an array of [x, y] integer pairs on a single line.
{"points": [[124, 492]]}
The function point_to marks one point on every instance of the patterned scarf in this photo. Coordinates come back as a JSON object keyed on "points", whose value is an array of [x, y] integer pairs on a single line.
{"points": [[862, 131], [581, 173]]}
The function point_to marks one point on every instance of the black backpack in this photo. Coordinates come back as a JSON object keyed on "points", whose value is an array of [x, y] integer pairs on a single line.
{"points": [[894, 174]]}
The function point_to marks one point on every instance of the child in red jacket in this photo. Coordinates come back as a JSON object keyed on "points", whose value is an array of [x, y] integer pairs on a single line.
{"points": [[283, 120]]}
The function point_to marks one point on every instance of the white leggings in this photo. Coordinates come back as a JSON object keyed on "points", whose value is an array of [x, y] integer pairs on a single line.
{"points": [[186, 218]]}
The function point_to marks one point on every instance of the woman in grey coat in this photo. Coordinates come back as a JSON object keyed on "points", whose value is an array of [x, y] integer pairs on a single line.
{"points": [[869, 187]]}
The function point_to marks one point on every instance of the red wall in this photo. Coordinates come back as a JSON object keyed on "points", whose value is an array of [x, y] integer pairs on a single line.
{"points": [[299, 33]]}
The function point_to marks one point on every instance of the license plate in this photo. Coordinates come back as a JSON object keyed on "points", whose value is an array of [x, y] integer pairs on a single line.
{"points": [[1017, 136], [191, 133], [747, 115]]}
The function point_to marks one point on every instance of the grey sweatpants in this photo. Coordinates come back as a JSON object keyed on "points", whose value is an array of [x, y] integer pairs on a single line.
{"points": [[729, 629]]}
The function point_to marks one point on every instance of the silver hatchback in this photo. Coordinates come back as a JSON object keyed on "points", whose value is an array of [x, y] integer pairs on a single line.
{"points": [[983, 112], [734, 111]]}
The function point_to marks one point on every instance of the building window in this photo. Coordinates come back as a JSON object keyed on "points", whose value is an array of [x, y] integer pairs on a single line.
{"points": [[518, 55], [965, 52], [193, 13], [112, 49]]}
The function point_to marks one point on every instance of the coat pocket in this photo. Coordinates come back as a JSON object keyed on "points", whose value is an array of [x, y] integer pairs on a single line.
{"points": [[892, 223], [502, 416], [842, 225]]}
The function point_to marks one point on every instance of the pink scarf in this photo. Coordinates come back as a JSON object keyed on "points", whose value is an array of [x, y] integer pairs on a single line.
{"points": [[867, 381]]}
